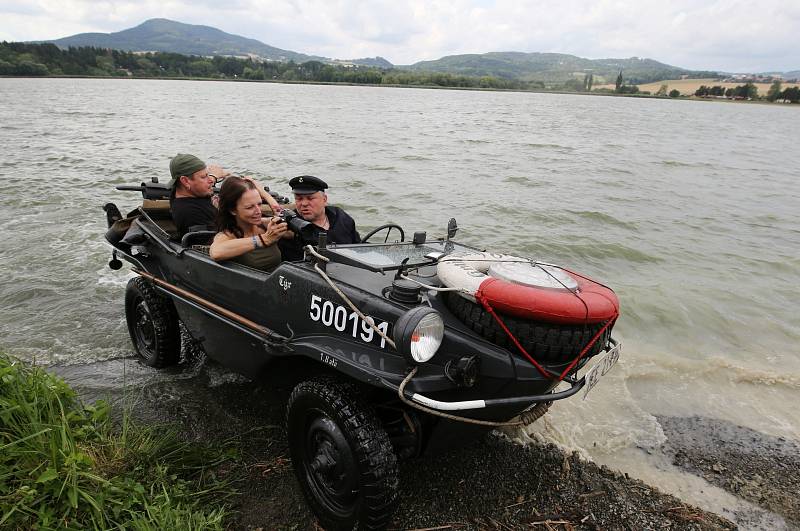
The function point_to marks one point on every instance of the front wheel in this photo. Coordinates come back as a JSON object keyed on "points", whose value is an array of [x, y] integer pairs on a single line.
{"points": [[342, 455]]}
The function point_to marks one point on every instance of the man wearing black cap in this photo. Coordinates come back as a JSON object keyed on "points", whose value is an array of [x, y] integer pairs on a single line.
{"points": [[312, 205]]}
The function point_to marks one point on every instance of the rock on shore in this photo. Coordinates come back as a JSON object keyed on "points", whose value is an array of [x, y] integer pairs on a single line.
{"points": [[751, 465]]}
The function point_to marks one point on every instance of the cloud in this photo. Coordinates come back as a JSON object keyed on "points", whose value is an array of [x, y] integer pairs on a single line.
{"points": [[730, 35]]}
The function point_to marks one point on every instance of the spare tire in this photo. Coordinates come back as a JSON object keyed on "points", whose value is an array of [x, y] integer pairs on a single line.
{"points": [[546, 342]]}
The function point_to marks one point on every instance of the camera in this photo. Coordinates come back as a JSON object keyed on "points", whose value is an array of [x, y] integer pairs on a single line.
{"points": [[297, 224]]}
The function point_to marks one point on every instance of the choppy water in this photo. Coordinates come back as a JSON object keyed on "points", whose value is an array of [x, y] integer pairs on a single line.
{"points": [[689, 210]]}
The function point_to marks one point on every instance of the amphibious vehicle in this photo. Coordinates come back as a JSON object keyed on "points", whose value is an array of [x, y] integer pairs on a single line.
{"points": [[406, 346]]}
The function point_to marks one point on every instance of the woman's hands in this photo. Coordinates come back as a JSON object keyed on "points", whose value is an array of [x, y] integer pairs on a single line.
{"points": [[276, 227]]}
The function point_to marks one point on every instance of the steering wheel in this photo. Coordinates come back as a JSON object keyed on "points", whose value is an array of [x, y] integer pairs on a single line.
{"points": [[389, 226]]}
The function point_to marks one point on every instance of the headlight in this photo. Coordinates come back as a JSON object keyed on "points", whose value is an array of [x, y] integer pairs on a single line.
{"points": [[418, 334]]}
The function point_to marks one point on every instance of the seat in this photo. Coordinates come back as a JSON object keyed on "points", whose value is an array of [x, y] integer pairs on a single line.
{"points": [[198, 238]]}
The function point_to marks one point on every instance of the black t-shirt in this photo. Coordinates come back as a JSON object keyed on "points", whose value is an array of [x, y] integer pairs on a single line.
{"points": [[193, 212], [342, 230]]}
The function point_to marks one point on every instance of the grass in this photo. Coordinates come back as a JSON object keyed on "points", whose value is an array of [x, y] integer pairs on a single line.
{"points": [[66, 465]]}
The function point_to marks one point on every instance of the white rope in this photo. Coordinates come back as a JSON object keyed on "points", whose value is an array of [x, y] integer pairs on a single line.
{"points": [[429, 287], [400, 391], [310, 250]]}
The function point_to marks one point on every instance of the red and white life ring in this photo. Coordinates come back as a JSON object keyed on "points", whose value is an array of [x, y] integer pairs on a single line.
{"points": [[525, 289]]}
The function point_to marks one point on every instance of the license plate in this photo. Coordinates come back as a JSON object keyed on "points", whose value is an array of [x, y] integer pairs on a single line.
{"points": [[601, 368]]}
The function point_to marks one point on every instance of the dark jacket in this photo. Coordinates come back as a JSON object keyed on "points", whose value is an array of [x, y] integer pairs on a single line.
{"points": [[342, 230]]}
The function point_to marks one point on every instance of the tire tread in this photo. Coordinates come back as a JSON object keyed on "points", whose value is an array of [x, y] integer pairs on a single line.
{"points": [[165, 322], [374, 451]]}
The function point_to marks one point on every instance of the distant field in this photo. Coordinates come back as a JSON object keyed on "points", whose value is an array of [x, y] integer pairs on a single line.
{"points": [[689, 86]]}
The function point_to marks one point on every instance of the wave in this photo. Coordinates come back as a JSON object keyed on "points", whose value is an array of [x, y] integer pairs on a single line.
{"points": [[745, 375], [657, 368], [527, 181], [577, 425], [602, 219], [680, 164], [536, 145], [599, 251]]}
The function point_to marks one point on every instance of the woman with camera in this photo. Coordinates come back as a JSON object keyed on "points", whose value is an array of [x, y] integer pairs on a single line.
{"points": [[244, 235]]}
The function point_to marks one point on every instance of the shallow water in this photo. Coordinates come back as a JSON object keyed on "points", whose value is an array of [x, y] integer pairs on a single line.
{"points": [[687, 209]]}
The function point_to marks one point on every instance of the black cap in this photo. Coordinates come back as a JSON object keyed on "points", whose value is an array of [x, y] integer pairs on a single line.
{"points": [[307, 184]]}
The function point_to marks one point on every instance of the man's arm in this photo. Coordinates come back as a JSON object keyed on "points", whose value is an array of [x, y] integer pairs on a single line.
{"points": [[217, 171]]}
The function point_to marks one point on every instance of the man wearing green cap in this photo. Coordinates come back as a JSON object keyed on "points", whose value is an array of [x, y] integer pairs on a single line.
{"points": [[190, 200], [192, 187]]}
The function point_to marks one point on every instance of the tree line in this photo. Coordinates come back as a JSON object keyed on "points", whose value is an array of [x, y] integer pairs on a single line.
{"points": [[749, 91], [28, 59], [24, 59]]}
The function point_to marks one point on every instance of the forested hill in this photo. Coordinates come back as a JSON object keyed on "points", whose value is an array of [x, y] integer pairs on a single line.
{"points": [[162, 35], [554, 67], [31, 59]]}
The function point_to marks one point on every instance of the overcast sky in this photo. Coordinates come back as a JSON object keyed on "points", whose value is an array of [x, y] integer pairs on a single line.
{"points": [[729, 35]]}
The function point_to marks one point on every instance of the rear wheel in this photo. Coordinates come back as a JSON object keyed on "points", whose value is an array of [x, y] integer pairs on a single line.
{"points": [[342, 456], [152, 324]]}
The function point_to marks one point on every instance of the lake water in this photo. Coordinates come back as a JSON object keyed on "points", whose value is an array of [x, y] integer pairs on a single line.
{"points": [[689, 210]]}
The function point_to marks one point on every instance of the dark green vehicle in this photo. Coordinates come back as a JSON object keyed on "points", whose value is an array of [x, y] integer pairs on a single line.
{"points": [[402, 354]]}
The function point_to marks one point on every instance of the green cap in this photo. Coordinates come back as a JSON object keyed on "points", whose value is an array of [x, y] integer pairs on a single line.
{"points": [[184, 164]]}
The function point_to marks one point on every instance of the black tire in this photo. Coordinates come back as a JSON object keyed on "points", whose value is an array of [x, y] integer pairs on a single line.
{"points": [[546, 342], [342, 455], [152, 324]]}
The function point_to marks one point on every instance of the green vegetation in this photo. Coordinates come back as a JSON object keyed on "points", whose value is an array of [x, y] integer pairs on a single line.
{"points": [[748, 91], [621, 88], [790, 94], [554, 68], [21, 59], [163, 35], [64, 465], [775, 91]]}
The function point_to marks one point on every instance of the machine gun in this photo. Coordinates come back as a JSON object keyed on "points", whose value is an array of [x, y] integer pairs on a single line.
{"points": [[156, 190]]}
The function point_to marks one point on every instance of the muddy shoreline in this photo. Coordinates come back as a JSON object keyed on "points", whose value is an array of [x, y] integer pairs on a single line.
{"points": [[492, 483]]}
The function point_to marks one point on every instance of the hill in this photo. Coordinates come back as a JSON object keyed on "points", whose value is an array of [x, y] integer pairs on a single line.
{"points": [[376, 62], [553, 67], [163, 35]]}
